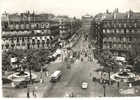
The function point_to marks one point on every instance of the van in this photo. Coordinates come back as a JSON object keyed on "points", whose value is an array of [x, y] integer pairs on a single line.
{"points": [[56, 76]]}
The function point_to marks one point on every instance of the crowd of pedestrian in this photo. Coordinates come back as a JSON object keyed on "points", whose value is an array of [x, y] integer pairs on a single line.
{"points": [[32, 92]]}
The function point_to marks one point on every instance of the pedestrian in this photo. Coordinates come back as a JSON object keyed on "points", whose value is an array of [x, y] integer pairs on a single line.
{"points": [[36, 91], [13, 85], [41, 80], [28, 93], [47, 73], [33, 91], [118, 84], [101, 80]]}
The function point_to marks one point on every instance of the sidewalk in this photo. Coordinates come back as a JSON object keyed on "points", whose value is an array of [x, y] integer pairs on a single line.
{"points": [[41, 88]]}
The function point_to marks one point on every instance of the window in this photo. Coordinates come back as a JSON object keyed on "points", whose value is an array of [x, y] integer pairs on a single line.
{"points": [[120, 25], [17, 39], [110, 45], [134, 39], [105, 25], [27, 26], [124, 39], [105, 39], [110, 39], [42, 25], [125, 25], [114, 25], [108, 31], [120, 39], [37, 26], [135, 25], [104, 31], [122, 30], [117, 30], [108, 24], [114, 39], [129, 46], [115, 45], [113, 31], [32, 26], [130, 39], [124, 45], [132, 31], [127, 31], [119, 45]]}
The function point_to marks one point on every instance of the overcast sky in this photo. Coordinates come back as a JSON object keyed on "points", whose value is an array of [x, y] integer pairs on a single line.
{"points": [[68, 7]]}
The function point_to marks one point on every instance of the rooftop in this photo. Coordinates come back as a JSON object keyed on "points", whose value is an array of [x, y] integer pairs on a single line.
{"points": [[118, 15]]}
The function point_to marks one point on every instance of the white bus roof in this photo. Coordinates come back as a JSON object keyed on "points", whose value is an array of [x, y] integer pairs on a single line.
{"points": [[120, 58], [55, 73]]}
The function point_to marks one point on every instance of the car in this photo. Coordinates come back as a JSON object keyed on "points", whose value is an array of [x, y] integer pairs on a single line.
{"points": [[84, 85], [69, 94], [56, 75]]}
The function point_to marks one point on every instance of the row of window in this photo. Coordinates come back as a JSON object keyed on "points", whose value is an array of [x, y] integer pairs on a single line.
{"points": [[25, 26], [116, 53], [121, 31], [24, 46], [120, 25], [119, 39], [46, 31], [116, 46], [26, 39], [25, 43]]}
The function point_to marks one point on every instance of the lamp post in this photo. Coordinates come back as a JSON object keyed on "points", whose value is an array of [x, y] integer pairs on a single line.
{"points": [[104, 87], [30, 66], [109, 78]]}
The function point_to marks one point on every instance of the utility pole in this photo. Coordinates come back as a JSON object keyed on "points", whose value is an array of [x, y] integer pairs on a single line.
{"points": [[109, 77], [104, 87], [30, 70]]}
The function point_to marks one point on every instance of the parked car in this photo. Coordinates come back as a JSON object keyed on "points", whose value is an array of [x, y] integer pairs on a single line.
{"points": [[84, 85], [56, 76], [69, 94]]}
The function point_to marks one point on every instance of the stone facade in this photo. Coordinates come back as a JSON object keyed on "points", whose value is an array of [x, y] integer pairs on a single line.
{"points": [[32, 31], [117, 32]]}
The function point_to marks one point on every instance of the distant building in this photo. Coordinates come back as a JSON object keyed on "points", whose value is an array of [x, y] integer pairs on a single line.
{"points": [[86, 22], [32, 31], [117, 32], [67, 26], [28, 31]]}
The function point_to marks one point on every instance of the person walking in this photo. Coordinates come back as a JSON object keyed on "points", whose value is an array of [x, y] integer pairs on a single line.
{"points": [[28, 93], [33, 92]]}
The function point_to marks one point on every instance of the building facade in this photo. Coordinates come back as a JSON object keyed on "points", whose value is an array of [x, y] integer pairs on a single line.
{"points": [[31, 31], [117, 32], [68, 26], [86, 22]]}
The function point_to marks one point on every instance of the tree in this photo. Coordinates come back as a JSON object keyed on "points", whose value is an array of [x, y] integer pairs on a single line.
{"points": [[5, 61], [137, 64], [30, 64], [134, 52]]}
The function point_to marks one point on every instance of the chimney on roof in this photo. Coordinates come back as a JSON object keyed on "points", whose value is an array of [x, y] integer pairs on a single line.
{"points": [[115, 13], [116, 10], [107, 12], [129, 13]]}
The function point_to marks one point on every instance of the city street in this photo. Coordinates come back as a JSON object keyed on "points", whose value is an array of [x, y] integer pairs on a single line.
{"points": [[70, 82], [71, 79], [70, 48]]}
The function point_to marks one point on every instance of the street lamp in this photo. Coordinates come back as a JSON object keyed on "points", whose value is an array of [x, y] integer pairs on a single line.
{"points": [[30, 66], [104, 87]]}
